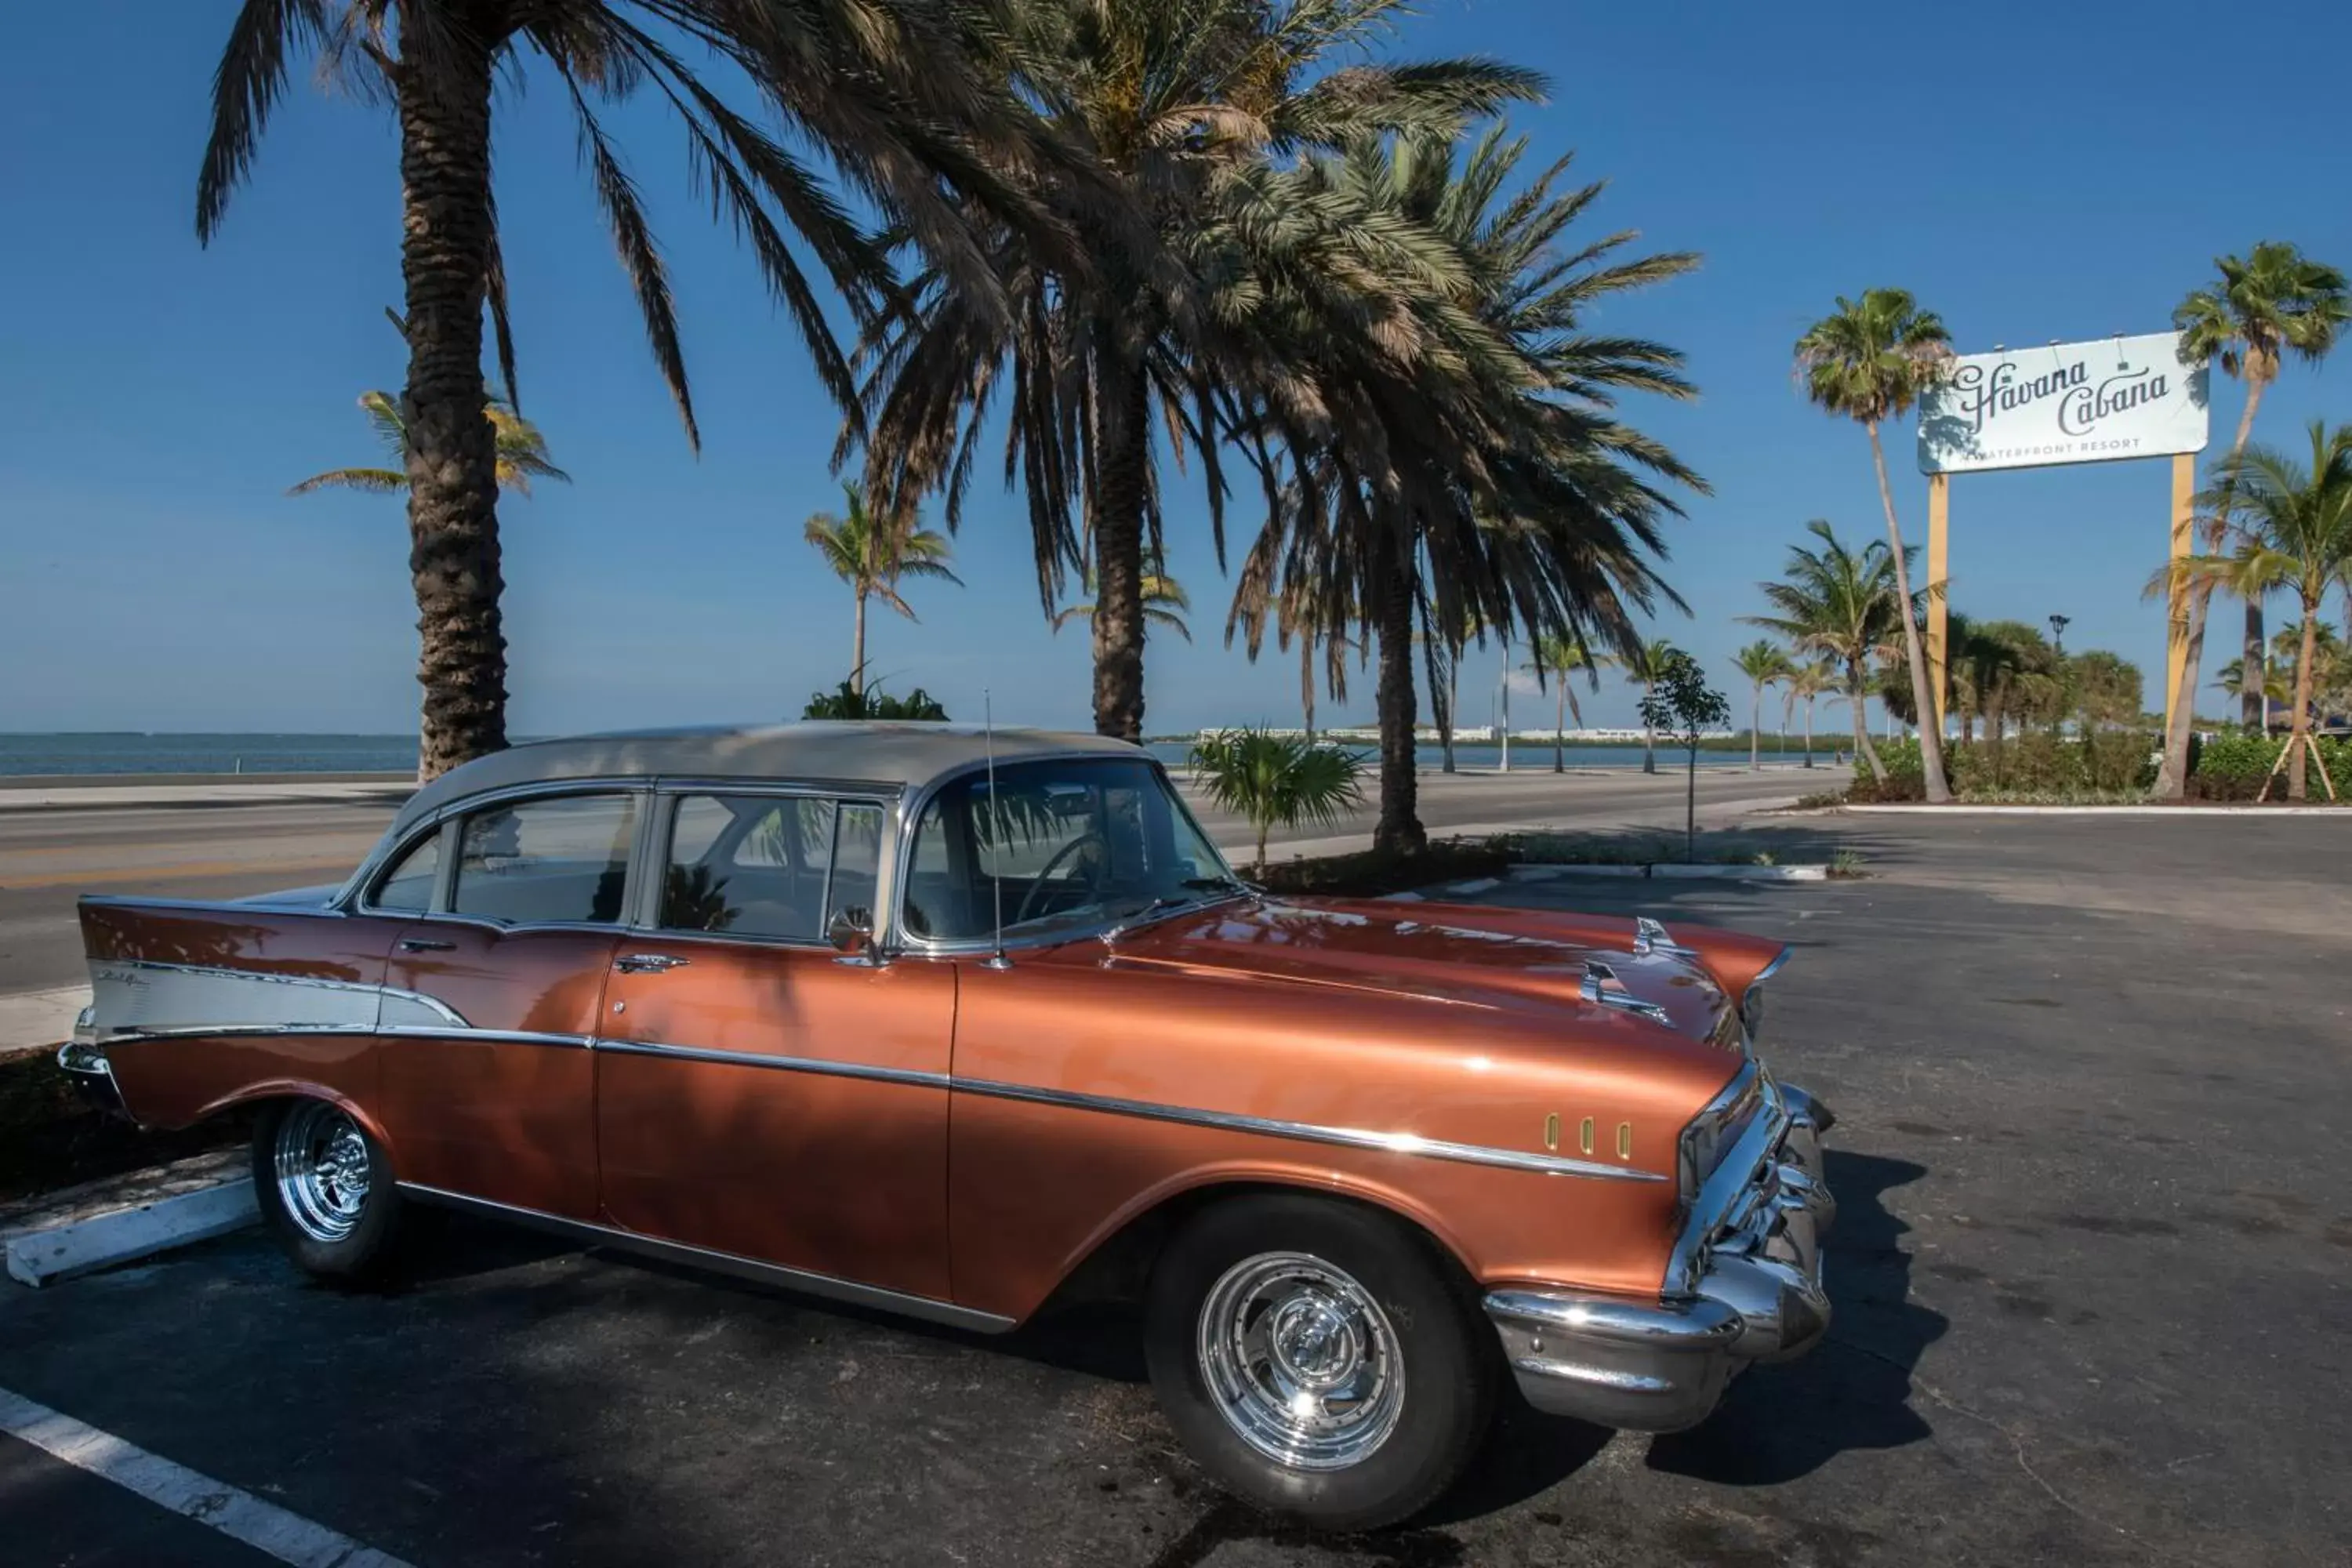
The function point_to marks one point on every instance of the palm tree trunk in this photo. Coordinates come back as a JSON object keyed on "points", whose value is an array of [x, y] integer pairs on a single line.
{"points": [[2249, 682], [1755, 724], [1306, 682], [1809, 732], [1453, 699], [2299, 722], [452, 525], [1648, 736], [2172, 781], [858, 649], [1854, 701], [1923, 701], [1121, 485], [1399, 828], [1559, 731]]}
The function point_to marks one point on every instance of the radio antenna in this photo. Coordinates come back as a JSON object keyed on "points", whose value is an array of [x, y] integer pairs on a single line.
{"points": [[996, 959]]}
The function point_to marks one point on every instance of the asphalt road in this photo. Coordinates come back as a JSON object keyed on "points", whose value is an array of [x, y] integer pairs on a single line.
{"points": [[227, 847], [2091, 1269]]}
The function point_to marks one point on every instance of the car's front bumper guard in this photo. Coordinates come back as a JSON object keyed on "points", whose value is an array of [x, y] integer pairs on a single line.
{"points": [[1659, 1366]]}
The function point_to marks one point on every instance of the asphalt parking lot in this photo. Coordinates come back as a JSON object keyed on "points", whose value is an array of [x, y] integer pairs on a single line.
{"points": [[2093, 1276]]}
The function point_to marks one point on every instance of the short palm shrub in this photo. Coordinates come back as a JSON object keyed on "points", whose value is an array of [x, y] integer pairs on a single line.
{"points": [[846, 701], [1278, 781]]}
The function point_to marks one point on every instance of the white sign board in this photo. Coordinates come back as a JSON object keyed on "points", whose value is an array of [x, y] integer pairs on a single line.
{"points": [[2069, 403]]}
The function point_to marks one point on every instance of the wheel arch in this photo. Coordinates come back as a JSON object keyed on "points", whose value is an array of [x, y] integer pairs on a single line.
{"points": [[1115, 1262], [267, 1091]]}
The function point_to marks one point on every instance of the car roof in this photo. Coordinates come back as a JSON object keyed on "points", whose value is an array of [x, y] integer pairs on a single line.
{"points": [[908, 756]]}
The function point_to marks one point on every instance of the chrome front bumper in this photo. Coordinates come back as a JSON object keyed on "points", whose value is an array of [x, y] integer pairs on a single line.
{"points": [[1750, 1260]]}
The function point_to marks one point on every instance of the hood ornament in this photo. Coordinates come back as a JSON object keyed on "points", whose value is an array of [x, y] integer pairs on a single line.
{"points": [[1650, 936], [1602, 986]]}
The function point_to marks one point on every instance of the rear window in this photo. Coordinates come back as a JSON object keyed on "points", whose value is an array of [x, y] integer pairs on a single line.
{"points": [[539, 861]]}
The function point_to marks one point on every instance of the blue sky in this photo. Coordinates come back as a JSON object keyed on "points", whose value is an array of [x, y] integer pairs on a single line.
{"points": [[2030, 172]]}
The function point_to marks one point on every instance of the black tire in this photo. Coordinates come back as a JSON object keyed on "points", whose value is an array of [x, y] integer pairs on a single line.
{"points": [[324, 1240], [1426, 1308]]}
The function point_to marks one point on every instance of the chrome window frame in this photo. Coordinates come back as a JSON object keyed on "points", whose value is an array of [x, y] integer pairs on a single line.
{"points": [[449, 818], [644, 907], [910, 819], [371, 882]]}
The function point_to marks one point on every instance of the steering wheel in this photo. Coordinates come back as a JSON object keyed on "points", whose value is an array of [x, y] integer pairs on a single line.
{"points": [[1045, 872]]}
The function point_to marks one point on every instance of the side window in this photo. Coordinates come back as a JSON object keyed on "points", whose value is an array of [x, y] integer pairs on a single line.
{"points": [[755, 865], [563, 860], [408, 886]]}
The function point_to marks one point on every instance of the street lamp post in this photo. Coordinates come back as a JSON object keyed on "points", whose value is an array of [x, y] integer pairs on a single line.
{"points": [[2058, 624]]}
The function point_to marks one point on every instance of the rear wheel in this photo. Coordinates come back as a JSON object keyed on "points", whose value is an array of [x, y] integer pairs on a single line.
{"points": [[1318, 1358], [325, 1188]]}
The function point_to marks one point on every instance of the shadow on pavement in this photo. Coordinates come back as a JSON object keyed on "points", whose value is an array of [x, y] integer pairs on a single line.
{"points": [[1854, 1391]]}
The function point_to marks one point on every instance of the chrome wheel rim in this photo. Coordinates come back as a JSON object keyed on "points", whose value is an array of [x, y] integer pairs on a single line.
{"points": [[321, 1161], [1301, 1362]]}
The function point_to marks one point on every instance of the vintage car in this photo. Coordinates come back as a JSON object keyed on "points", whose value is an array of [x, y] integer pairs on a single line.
{"points": [[958, 1025]]}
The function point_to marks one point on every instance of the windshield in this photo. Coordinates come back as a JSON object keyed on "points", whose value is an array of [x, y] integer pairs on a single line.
{"points": [[1061, 845]]}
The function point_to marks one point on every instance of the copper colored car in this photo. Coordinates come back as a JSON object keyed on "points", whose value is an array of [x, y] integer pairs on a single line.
{"points": [[959, 1025]]}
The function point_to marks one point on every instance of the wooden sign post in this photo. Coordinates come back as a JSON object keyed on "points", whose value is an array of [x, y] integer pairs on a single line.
{"points": [[1939, 522]]}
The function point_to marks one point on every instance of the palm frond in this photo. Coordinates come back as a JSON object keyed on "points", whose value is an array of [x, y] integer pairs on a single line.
{"points": [[246, 88]]}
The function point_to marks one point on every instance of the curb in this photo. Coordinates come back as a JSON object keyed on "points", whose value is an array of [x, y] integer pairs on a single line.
{"points": [[2191, 812], [1677, 871], [127, 1218]]}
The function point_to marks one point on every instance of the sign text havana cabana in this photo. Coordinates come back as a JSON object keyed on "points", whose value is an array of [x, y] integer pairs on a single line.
{"points": [[2092, 402]]}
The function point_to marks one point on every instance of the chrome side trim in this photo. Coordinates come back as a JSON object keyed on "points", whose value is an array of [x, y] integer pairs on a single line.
{"points": [[255, 976], [817, 1064], [1307, 1132], [368, 1031], [801, 1279]]}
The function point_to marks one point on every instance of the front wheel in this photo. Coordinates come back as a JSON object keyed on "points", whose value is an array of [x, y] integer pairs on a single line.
{"points": [[1318, 1359], [325, 1188]]}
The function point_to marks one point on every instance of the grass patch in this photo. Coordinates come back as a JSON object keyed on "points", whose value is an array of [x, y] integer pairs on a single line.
{"points": [[1374, 872], [50, 1137]]}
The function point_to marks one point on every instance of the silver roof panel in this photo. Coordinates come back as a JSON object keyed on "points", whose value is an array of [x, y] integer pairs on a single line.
{"points": [[909, 755]]}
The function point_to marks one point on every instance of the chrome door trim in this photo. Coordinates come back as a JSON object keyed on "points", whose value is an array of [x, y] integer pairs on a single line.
{"points": [[1409, 1143], [820, 1065], [801, 1279]]}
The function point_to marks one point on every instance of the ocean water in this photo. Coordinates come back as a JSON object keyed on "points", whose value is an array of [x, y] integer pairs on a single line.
{"points": [[28, 754], [141, 754]]}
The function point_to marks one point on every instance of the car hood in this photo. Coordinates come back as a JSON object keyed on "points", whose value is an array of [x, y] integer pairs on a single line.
{"points": [[1465, 954]]}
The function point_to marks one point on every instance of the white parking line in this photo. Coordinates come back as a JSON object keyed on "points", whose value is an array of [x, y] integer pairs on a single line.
{"points": [[237, 1514]]}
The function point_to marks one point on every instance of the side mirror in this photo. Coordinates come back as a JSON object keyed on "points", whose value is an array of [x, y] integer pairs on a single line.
{"points": [[851, 932]]}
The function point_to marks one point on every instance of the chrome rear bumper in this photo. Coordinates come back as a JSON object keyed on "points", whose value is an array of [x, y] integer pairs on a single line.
{"points": [[1753, 1265]]}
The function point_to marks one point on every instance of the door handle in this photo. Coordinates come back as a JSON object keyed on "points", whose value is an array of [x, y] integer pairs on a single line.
{"points": [[425, 944], [648, 962]]}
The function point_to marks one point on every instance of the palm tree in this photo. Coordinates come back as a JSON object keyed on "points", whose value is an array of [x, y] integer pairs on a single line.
{"points": [[883, 88], [521, 451], [1165, 602], [1643, 664], [1843, 605], [2294, 524], [1868, 363], [1278, 781], [2264, 305], [1807, 683], [1764, 664], [1557, 659], [1193, 108], [1461, 456], [2276, 677], [1298, 614], [871, 556]]}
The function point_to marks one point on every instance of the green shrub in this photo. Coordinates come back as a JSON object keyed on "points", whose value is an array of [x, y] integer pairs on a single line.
{"points": [[2106, 764], [2235, 764]]}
